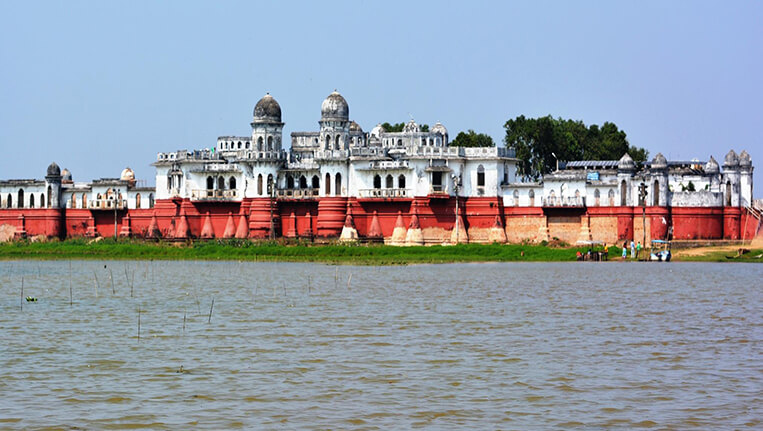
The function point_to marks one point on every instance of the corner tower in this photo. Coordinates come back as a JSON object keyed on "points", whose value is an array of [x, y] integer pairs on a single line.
{"points": [[267, 128]]}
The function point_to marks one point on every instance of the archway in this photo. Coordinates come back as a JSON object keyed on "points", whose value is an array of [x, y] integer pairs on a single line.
{"points": [[9, 201], [388, 182], [232, 183], [210, 183], [316, 182], [377, 181], [20, 199], [338, 184], [289, 182], [220, 183], [31, 200], [302, 182], [728, 193], [623, 193], [656, 193], [259, 184], [328, 184], [401, 181]]}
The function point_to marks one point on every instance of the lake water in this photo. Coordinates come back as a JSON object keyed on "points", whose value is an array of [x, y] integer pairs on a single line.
{"points": [[312, 346]]}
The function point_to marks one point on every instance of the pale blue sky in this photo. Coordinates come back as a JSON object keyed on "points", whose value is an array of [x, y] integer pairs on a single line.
{"points": [[97, 86]]}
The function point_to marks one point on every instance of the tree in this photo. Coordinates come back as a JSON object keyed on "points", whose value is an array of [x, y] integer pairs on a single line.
{"points": [[540, 142], [398, 127], [472, 139]]}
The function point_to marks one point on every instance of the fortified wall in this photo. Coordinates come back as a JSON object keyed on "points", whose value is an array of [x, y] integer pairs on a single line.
{"points": [[400, 188]]}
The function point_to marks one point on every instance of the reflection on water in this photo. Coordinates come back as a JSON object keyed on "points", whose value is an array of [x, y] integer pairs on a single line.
{"points": [[300, 346]]}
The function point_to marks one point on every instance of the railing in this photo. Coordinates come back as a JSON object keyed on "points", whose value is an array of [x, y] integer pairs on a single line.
{"points": [[107, 204], [332, 154], [213, 195], [438, 190], [298, 193], [569, 201], [384, 193], [388, 164]]}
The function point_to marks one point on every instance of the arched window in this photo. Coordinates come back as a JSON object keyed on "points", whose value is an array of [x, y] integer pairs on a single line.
{"points": [[150, 200], [302, 182], [31, 200], [388, 182], [728, 193], [232, 183], [328, 184], [259, 185], [74, 201], [210, 183], [401, 181], [532, 197], [611, 196], [656, 193], [377, 181], [399, 142], [516, 197], [338, 184], [316, 182], [248, 145], [9, 202], [289, 182], [137, 200], [43, 203], [270, 143], [597, 196], [21, 199], [259, 143], [480, 176], [84, 201], [328, 142], [336, 143], [623, 193], [220, 183]]}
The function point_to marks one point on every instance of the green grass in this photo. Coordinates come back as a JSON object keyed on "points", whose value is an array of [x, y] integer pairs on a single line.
{"points": [[723, 256], [272, 251]]}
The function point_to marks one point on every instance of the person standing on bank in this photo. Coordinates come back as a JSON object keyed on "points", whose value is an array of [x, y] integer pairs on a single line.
{"points": [[638, 249], [633, 250], [625, 250]]}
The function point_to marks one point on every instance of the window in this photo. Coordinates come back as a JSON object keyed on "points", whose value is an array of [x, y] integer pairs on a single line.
{"points": [[302, 182], [656, 193], [316, 182], [84, 200], [336, 143], [338, 184], [480, 176], [270, 143], [377, 182], [516, 197], [21, 199], [259, 185], [220, 183], [328, 184], [597, 196], [728, 193], [232, 183], [31, 200], [42, 199], [611, 196], [9, 202], [388, 182], [289, 182], [150, 200], [401, 181], [532, 197], [623, 193], [210, 183], [328, 142], [74, 200], [137, 201], [259, 143]]}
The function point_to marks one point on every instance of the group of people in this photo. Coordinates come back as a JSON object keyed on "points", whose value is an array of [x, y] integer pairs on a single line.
{"points": [[635, 249], [594, 255]]}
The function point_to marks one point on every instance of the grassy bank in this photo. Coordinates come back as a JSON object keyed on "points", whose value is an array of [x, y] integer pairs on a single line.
{"points": [[272, 251], [373, 254]]}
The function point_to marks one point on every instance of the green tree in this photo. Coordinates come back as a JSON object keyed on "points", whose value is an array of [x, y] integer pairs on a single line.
{"points": [[472, 139], [398, 127], [540, 142]]}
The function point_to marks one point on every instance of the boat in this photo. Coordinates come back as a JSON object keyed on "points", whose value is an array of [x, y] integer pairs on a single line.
{"points": [[660, 251]]}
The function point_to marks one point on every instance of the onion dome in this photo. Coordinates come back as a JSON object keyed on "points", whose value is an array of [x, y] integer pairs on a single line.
{"points": [[411, 127], [127, 174], [267, 110], [744, 159], [66, 176], [439, 128], [659, 162], [626, 163], [711, 167], [54, 170], [355, 127], [732, 160], [335, 108]]}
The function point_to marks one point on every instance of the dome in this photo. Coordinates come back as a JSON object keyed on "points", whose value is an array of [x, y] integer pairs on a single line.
{"points": [[411, 127], [66, 176], [626, 163], [267, 110], [732, 160], [744, 159], [439, 128], [355, 127], [335, 108], [659, 162], [127, 175], [377, 130], [711, 167], [54, 170]]}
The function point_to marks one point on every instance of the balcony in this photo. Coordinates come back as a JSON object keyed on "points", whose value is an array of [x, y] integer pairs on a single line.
{"points": [[569, 201], [107, 204], [213, 195], [309, 193], [384, 193], [439, 191]]}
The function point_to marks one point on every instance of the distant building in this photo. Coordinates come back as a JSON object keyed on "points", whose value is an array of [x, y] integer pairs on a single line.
{"points": [[340, 181]]}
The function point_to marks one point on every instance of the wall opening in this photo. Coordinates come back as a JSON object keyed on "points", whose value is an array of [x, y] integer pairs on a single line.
{"points": [[377, 181], [401, 181], [338, 184], [623, 193], [389, 182], [328, 184]]}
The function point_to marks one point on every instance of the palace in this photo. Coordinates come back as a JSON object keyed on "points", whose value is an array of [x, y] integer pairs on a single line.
{"points": [[402, 188]]}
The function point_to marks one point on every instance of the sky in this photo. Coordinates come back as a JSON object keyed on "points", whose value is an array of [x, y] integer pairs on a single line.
{"points": [[98, 86]]}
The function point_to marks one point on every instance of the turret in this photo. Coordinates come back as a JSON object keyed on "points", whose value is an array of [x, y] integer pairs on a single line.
{"points": [[730, 184], [626, 167], [53, 183]]}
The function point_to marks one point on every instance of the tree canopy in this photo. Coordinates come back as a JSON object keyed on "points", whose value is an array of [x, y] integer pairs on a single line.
{"points": [[472, 139], [537, 140], [398, 127]]}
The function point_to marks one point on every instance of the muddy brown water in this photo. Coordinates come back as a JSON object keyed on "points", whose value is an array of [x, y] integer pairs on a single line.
{"points": [[313, 346]]}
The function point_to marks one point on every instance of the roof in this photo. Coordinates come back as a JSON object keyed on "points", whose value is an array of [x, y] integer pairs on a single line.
{"points": [[592, 164]]}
